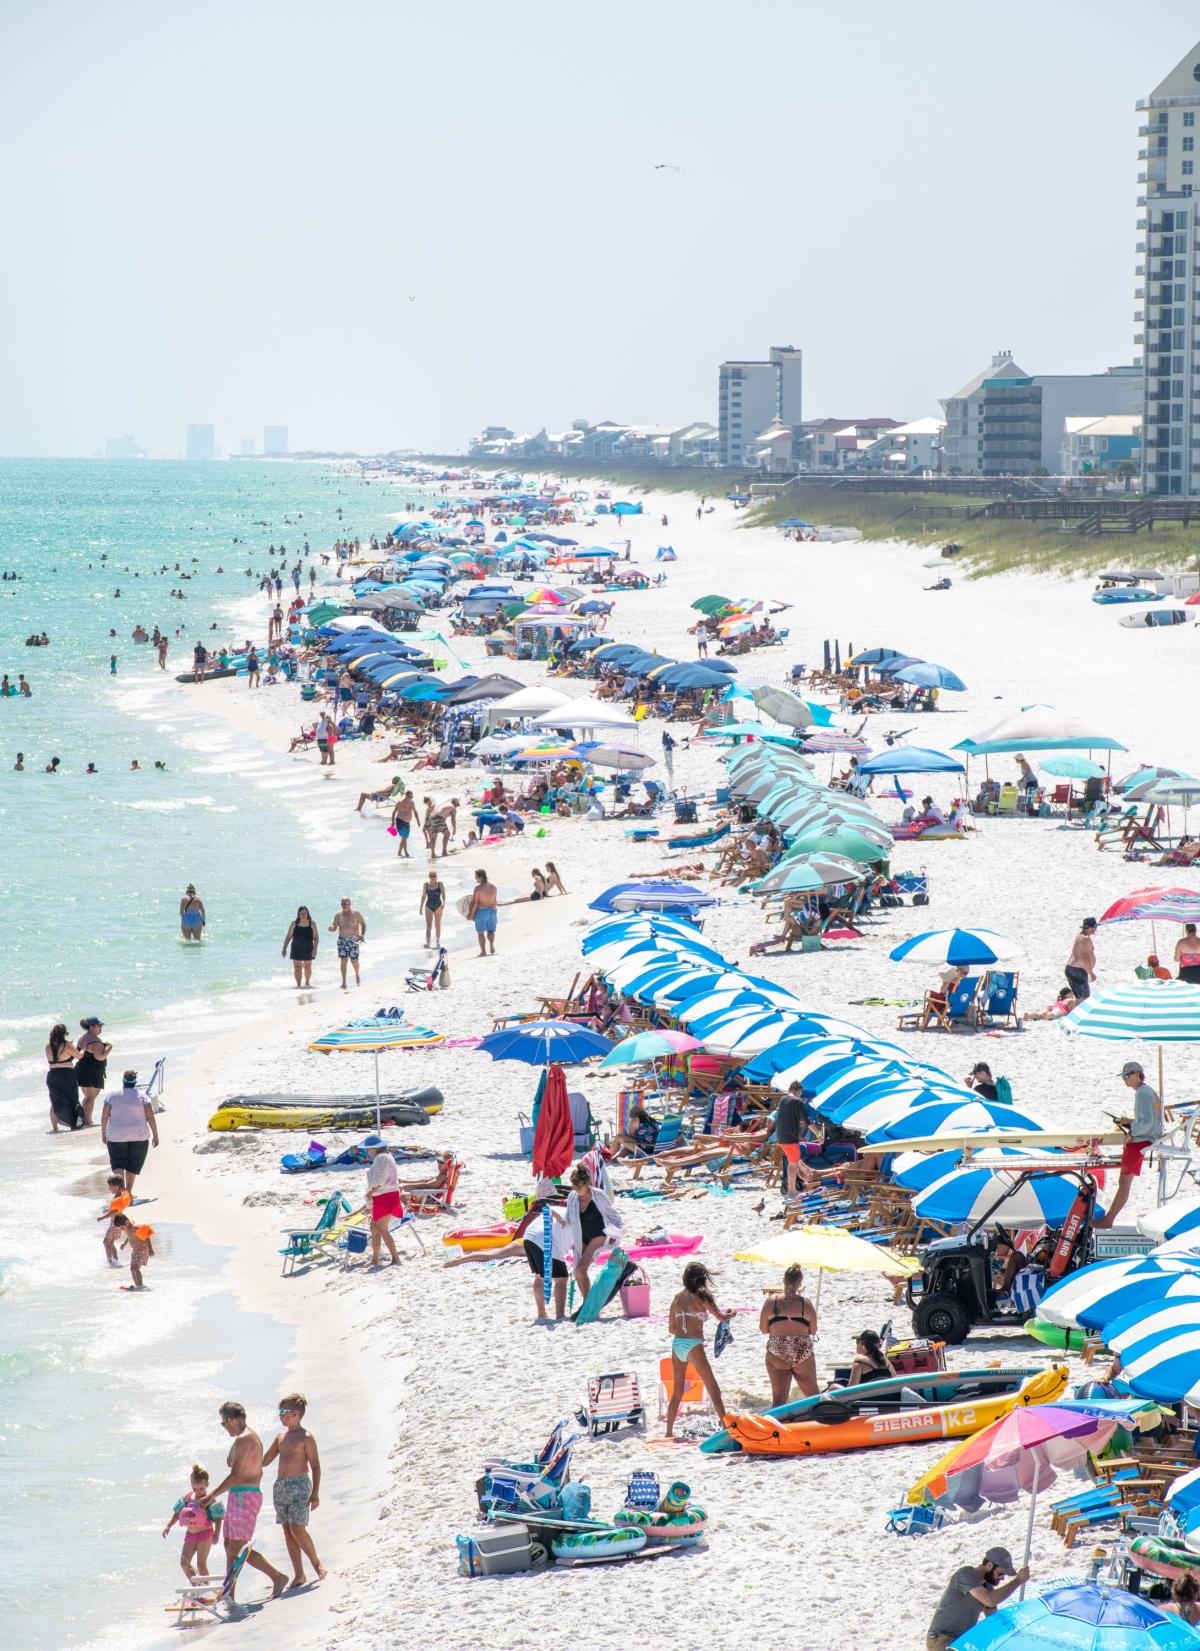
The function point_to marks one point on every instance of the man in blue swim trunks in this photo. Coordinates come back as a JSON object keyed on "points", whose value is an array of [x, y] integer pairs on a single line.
{"points": [[483, 910]]}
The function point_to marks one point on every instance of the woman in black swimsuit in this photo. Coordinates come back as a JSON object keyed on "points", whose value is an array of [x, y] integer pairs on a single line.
{"points": [[300, 942], [591, 1216], [91, 1069], [433, 899], [61, 1081], [871, 1363]]}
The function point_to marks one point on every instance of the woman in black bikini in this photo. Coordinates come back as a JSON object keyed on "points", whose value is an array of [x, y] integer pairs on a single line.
{"points": [[789, 1322], [61, 1080], [433, 899], [300, 942]]}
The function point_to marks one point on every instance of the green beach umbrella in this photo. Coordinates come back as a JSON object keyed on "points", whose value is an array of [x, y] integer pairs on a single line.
{"points": [[843, 840]]}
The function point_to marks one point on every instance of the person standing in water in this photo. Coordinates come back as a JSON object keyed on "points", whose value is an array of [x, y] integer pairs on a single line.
{"points": [[433, 900], [192, 916], [300, 943], [242, 1489], [92, 1067], [350, 926], [62, 1080], [402, 818]]}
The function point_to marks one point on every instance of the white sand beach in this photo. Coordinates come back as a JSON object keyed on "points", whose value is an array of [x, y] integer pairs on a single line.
{"points": [[414, 1375]]}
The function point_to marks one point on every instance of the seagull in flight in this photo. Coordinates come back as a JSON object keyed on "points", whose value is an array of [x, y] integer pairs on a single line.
{"points": [[665, 166]]}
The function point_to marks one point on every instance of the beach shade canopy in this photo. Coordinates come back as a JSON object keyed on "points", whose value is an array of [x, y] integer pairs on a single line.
{"points": [[950, 1117], [1039, 728], [970, 946], [1160, 1351], [1171, 905], [1072, 768], [621, 757], [925, 675], [831, 741], [997, 1196], [585, 713], [554, 1132], [910, 759], [1154, 1011], [1081, 1290], [539, 1042], [819, 1250], [843, 840], [790, 709], [1080, 1616], [651, 896], [876, 656], [525, 702], [649, 1046], [1171, 1220], [372, 1037]]}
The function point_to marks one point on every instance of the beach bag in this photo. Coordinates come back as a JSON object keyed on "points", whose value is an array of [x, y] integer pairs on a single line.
{"points": [[643, 1491]]}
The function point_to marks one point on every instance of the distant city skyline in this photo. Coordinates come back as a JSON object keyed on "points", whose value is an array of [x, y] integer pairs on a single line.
{"points": [[895, 215]]}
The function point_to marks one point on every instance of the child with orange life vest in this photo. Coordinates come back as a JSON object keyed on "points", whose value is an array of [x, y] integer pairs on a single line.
{"points": [[201, 1526], [137, 1242], [119, 1199]]}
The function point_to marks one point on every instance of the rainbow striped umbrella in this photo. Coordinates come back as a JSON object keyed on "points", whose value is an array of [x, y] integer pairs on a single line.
{"points": [[830, 740], [370, 1037]]}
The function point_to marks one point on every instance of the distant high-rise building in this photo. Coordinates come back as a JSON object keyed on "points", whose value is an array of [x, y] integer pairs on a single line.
{"points": [[753, 395], [123, 447], [275, 440], [246, 447], [201, 441], [1169, 248]]}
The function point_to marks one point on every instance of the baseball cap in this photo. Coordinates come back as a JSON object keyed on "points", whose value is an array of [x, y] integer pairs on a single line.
{"points": [[1002, 1560], [1132, 1066], [92, 1020]]}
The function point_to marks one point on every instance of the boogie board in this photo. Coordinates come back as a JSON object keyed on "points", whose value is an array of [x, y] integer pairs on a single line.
{"points": [[608, 1281], [1053, 1335], [1155, 616]]}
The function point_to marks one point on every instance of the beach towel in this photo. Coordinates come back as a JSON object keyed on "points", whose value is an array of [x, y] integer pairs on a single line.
{"points": [[724, 1339]]}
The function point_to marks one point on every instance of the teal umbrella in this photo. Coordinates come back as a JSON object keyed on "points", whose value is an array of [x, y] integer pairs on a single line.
{"points": [[1072, 768], [843, 840]]}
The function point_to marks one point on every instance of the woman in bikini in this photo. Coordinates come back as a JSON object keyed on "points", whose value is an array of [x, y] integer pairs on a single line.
{"points": [[554, 883], [433, 900], [789, 1322], [689, 1309]]}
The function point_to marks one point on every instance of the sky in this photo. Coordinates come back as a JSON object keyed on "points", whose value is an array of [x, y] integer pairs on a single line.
{"points": [[386, 225]]}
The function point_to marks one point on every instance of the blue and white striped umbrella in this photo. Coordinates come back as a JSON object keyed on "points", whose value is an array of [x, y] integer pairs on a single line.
{"points": [[1077, 1293], [734, 980], [971, 946], [1140, 1293], [1156, 1011], [1160, 1351], [870, 1112], [976, 1191], [914, 1171], [751, 1035], [728, 1003], [1173, 1220], [942, 1117]]}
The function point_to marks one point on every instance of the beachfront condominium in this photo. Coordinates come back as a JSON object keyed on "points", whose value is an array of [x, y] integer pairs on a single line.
{"points": [[275, 441], [201, 441], [753, 395], [1007, 422], [1168, 260]]}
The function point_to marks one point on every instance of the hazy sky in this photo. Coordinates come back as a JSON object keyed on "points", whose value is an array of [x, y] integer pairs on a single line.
{"points": [[386, 224]]}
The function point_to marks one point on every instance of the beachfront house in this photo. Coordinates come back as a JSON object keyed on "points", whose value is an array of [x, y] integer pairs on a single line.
{"points": [[1103, 446]]}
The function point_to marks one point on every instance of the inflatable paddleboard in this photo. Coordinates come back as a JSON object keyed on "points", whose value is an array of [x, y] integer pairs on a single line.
{"points": [[429, 1098], [675, 1244], [1124, 594], [605, 1286], [300, 1117]]}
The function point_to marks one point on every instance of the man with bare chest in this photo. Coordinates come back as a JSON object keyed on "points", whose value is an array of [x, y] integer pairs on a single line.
{"points": [[298, 1486], [242, 1491], [350, 926]]}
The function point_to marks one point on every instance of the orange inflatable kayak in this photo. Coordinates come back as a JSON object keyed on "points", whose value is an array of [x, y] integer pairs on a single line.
{"points": [[844, 1422]]}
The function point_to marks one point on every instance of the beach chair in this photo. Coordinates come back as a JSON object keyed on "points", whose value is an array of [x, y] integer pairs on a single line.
{"points": [[998, 998], [1008, 799], [302, 1242], [152, 1089], [695, 1399], [614, 1401], [582, 1121], [204, 1595], [437, 1200]]}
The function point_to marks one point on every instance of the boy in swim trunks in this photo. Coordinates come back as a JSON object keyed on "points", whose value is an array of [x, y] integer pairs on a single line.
{"points": [[297, 1489]]}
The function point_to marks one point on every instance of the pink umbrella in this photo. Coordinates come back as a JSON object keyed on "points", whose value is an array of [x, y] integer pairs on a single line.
{"points": [[1022, 1451]]}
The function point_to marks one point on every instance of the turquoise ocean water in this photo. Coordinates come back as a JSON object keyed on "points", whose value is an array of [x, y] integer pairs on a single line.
{"points": [[99, 1407]]}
